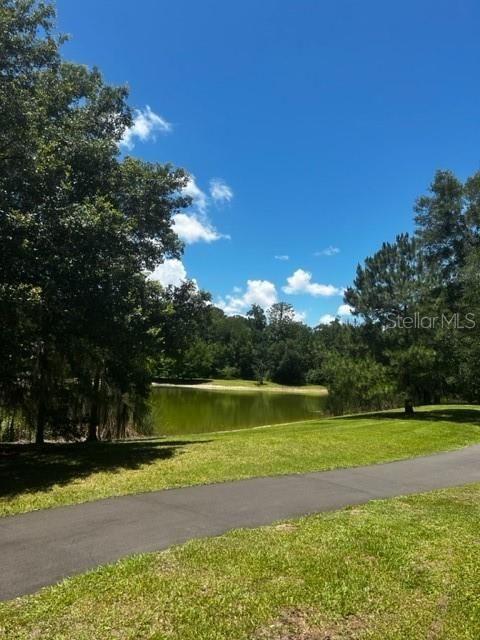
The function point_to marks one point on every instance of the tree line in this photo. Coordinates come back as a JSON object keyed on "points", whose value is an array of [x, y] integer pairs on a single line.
{"points": [[84, 330], [418, 298], [414, 333]]}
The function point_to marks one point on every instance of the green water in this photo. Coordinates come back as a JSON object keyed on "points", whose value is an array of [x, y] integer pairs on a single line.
{"points": [[177, 410]]}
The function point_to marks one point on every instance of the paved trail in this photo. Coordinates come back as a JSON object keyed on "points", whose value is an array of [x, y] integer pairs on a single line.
{"points": [[42, 547]]}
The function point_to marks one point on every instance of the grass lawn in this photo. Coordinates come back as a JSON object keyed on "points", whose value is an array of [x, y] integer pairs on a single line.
{"points": [[267, 385], [71, 473], [401, 569], [238, 383]]}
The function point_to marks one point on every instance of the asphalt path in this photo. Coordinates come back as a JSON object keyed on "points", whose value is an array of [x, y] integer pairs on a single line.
{"points": [[43, 547]]}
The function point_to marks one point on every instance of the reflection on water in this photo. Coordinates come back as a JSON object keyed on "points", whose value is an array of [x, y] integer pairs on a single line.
{"points": [[178, 410]]}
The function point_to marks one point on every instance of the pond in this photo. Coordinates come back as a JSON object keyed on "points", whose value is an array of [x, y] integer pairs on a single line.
{"points": [[177, 410]]}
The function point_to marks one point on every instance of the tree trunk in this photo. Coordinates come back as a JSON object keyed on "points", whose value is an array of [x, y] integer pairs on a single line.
{"points": [[11, 428], [40, 427], [41, 394], [409, 412], [92, 435]]}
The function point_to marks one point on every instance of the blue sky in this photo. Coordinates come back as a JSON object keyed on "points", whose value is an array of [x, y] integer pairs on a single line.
{"points": [[309, 126]]}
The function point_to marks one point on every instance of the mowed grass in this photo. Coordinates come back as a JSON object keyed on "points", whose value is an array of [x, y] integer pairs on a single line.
{"points": [[396, 569], [266, 386], [250, 385], [68, 474]]}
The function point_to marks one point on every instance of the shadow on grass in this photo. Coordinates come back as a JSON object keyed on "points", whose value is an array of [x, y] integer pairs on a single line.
{"points": [[460, 415], [26, 467]]}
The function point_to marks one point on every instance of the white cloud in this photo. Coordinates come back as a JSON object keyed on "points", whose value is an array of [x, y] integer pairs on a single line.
{"points": [[284, 258], [301, 282], [172, 271], [261, 292], [220, 191], [344, 310], [196, 226], [145, 124], [329, 251], [191, 228], [299, 316], [343, 314], [199, 197], [232, 305]]}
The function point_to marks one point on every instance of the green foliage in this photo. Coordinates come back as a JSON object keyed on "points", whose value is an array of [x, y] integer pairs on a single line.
{"points": [[79, 226], [315, 376], [201, 341], [417, 372], [442, 227], [230, 373], [290, 369], [185, 351], [387, 284], [358, 385], [434, 277]]}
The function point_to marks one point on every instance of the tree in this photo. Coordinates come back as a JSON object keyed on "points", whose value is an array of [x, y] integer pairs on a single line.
{"points": [[289, 345], [281, 314], [417, 373], [290, 369], [79, 227], [468, 342], [431, 280], [183, 325], [390, 283], [358, 384], [442, 231], [257, 318], [258, 322]]}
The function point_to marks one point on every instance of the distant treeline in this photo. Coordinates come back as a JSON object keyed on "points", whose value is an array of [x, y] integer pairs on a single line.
{"points": [[414, 333]]}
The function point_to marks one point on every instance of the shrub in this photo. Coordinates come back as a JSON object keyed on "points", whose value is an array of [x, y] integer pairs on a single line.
{"points": [[358, 385], [229, 373]]}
